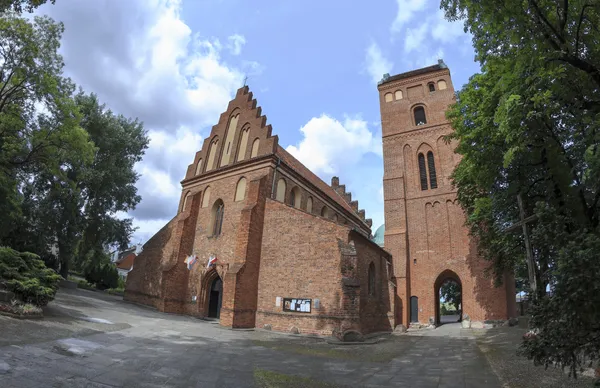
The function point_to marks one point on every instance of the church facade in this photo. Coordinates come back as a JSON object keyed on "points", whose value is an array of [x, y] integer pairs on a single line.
{"points": [[424, 224], [261, 241]]}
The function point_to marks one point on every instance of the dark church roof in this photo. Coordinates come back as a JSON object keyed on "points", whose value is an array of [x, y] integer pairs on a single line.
{"points": [[386, 77]]}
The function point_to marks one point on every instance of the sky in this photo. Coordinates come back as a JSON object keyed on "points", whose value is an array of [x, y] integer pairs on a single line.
{"points": [[313, 67]]}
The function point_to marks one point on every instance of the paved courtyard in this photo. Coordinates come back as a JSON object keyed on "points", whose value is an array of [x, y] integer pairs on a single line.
{"points": [[89, 339]]}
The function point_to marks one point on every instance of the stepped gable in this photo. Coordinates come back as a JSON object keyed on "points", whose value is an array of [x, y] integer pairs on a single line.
{"points": [[301, 169], [347, 196], [244, 113]]}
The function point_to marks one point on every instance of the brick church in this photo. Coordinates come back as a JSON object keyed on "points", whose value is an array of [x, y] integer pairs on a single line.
{"points": [[261, 241]]}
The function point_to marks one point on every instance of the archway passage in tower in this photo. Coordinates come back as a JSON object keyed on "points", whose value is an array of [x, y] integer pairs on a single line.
{"points": [[448, 297], [215, 298]]}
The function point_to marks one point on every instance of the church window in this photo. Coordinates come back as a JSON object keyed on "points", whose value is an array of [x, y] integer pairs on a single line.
{"points": [[419, 113], [255, 145], [243, 144], [231, 130], [206, 197], [218, 211], [240, 190], [325, 212], [212, 154], [185, 201], [398, 94], [199, 167], [280, 195], [309, 204], [371, 279], [431, 87], [295, 197], [422, 172], [442, 85], [335, 217], [389, 97], [431, 167]]}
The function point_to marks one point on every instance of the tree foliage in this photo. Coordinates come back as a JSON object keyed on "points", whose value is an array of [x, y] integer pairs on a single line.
{"points": [[18, 6], [528, 125], [66, 162], [451, 293], [27, 277]]}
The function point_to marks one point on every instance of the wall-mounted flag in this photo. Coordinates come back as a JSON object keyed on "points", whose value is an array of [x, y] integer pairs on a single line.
{"points": [[190, 261], [212, 260]]}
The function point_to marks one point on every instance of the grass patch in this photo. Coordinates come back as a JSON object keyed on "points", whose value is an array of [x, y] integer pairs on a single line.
{"points": [[267, 379], [85, 285], [367, 353]]}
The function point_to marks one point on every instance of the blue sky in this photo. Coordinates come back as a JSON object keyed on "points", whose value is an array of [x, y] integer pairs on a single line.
{"points": [[313, 67]]}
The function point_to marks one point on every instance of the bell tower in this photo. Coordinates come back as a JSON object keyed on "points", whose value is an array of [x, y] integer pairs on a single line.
{"points": [[424, 224]]}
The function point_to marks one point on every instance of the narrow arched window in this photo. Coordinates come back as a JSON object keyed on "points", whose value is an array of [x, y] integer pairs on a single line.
{"points": [[243, 144], [280, 195], [324, 212], [255, 146], [398, 94], [218, 211], [206, 197], [372, 279], [431, 167], [431, 87], [295, 197], [309, 204], [389, 97], [231, 130], [335, 217], [240, 190], [199, 167], [212, 154], [422, 172], [185, 201], [420, 118]]}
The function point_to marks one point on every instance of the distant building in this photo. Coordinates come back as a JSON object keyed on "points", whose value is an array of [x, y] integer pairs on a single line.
{"points": [[124, 260]]}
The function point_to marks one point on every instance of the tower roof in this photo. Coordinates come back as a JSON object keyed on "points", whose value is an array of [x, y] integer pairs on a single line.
{"points": [[378, 236], [386, 77]]}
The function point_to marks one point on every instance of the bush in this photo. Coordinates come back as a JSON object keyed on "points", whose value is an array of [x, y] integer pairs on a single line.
{"points": [[101, 272], [27, 276]]}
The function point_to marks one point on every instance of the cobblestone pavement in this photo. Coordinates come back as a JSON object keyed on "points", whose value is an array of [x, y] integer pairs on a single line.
{"points": [[89, 339]]}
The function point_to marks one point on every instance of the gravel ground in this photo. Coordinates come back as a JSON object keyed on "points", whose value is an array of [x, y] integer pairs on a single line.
{"points": [[500, 346]]}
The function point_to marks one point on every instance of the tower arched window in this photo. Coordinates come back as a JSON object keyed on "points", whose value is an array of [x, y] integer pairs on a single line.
{"points": [[240, 190], [431, 167], [255, 145], [199, 167], [422, 172], [218, 211], [371, 279], [419, 113], [309, 204], [243, 144], [431, 87]]}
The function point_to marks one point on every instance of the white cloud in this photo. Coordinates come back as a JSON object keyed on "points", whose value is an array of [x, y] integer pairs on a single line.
{"points": [[376, 64], [330, 145], [235, 44], [415, 37], [154, 67], [406, 11], [445, 31]]}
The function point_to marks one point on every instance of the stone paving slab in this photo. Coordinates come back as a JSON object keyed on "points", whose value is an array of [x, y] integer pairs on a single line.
{"points": [[160, 350]]}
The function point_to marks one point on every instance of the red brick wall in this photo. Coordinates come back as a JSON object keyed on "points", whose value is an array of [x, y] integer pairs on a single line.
{"points": [[306, 256], [144, 281], [425, 230]]}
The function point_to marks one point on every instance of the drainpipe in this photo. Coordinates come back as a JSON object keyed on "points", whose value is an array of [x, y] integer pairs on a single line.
{"points": [[274, 178]]}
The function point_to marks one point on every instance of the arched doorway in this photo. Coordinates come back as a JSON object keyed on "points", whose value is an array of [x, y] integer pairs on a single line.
{"points": [[448, 298], [215, 298]]}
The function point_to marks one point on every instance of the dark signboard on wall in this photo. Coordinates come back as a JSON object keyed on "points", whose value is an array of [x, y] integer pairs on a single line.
{"points": [[296, 305]]}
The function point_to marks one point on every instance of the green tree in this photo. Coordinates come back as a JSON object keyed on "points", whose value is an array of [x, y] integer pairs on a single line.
{"points": [[39, 129], [451, 293], [109, 185], [528, 126], [19, 6]]}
